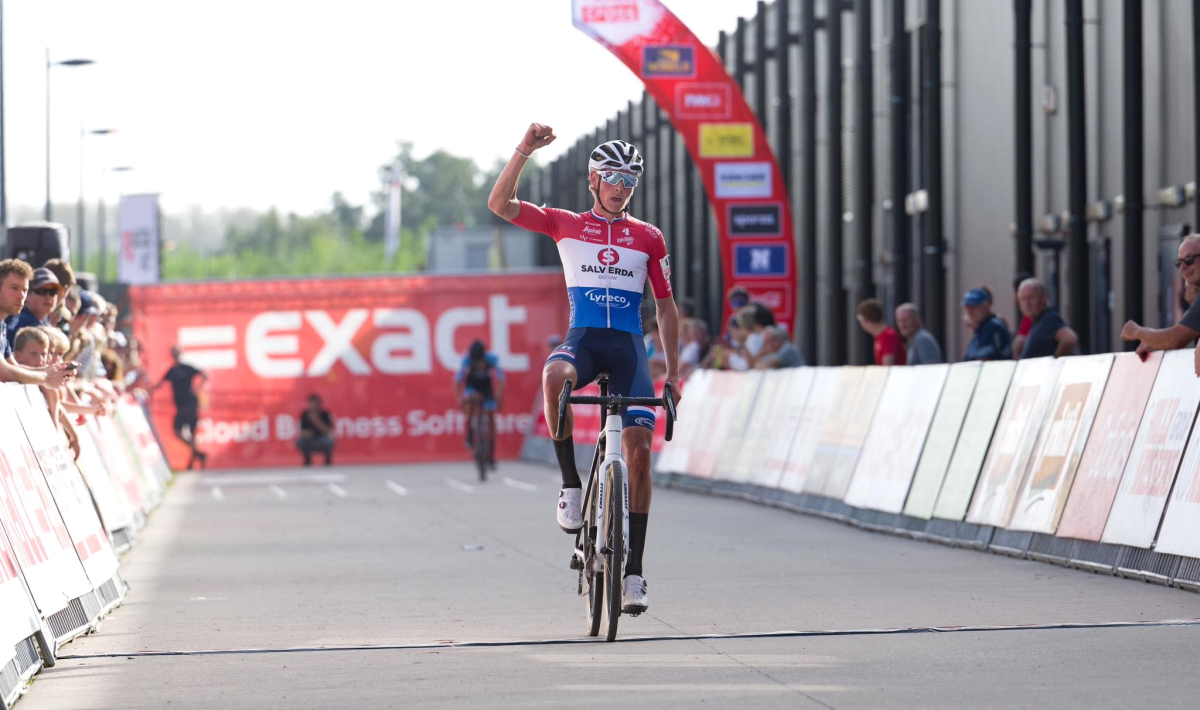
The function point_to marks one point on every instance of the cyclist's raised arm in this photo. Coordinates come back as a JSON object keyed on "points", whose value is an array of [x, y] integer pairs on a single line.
{"points": [[503, 200]]}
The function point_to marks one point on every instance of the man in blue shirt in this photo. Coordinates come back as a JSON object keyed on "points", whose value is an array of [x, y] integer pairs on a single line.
{"points": [[43, 297], [1049, 333], [991, 340]]}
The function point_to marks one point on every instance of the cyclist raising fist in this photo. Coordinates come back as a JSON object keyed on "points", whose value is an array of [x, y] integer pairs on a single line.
{"points": [[607, 256]]}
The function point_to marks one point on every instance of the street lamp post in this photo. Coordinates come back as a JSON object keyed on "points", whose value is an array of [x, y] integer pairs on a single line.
{"points": [[49, 65], [103, 271], [79, 211]]}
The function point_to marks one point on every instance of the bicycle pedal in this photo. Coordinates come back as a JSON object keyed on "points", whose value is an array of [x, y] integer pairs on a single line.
{"points": [[575, 563]]}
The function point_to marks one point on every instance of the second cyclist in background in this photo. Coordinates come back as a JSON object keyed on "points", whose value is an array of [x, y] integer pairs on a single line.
{"points": [[480, 383]]}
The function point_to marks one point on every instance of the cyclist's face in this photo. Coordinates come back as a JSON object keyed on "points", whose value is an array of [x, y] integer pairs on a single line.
{"points": [[612, 198]]}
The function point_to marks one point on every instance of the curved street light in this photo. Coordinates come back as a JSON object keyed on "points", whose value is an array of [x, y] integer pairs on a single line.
{"points": [[49, 64]]}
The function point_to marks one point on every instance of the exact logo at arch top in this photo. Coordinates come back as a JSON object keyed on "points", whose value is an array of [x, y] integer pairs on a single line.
{"points": [[668, 60]]}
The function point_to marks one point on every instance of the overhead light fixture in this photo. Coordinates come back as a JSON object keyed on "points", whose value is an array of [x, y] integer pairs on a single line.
{"points": [[1050, 224], [1173, 196], [916, 202], [1100, 211]]}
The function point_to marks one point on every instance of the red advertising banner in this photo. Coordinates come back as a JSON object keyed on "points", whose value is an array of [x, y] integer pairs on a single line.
{"points": [[382, 353], [723, 136]]}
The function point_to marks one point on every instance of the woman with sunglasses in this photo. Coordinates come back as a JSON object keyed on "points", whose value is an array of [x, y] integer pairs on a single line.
{"points": [[1188, 327], [607, 255]]}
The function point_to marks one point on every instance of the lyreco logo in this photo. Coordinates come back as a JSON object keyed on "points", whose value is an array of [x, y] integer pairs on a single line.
{"points": [[608, 257], [611, 300], [405, 342], [750, 179], [703, 101]]}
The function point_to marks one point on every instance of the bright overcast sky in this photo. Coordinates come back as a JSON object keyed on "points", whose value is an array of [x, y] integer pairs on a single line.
{"points": [[261, 103]]}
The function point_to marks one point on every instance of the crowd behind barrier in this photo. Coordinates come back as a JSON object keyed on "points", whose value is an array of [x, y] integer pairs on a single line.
{"points": [[1091, 462], [64, 519]]}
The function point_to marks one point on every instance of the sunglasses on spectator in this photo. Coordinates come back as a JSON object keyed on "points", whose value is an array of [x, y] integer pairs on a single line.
{"points": [[1189, 260], [613, 178], [46, 291]]}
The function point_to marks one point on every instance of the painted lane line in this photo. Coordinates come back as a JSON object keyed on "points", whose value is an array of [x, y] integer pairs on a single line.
{"points": [[279, 492], [337, 490], [267, 479], [1192, 623], [519, 485], [460, 486], [396, 488], [217, 494]]}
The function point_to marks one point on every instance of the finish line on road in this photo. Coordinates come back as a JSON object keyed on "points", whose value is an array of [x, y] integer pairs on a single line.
{"points": [[642, 639]]}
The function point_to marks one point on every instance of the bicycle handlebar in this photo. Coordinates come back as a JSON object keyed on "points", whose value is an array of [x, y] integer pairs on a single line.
{"points": [[667, 402]]}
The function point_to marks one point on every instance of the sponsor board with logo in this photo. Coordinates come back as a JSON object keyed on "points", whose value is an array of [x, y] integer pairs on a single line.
{"points": [[762, 260], [726, 140], [758, 219], [749, 179], [669, 60], [379, 350], [705, 101]]}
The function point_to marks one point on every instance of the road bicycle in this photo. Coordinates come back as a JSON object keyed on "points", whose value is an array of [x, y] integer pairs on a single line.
{"points": [[482, 442], [602, 544]]}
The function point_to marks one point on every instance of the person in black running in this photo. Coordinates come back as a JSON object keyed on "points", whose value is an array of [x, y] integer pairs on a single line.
{"points": [[187, 405]]}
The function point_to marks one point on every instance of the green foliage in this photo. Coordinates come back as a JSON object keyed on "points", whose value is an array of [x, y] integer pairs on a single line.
{"points": [[438, 190]]}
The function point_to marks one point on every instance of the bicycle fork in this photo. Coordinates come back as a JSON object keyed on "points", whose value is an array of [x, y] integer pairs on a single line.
{"points": [[612, 456]]}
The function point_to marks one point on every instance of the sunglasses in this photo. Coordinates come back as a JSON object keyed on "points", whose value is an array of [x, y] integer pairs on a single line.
{"points": [[614, 178], [46, 291], [1189, 260]]}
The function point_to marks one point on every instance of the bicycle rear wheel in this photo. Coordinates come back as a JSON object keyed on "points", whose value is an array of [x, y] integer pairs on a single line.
{"points": [[481, 447], [614, 561]]}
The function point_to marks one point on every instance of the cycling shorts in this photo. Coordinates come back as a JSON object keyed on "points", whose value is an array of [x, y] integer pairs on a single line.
{"points": [[489, 404], [619, 353]]}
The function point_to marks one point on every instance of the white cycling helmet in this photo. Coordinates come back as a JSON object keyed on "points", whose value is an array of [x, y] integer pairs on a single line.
{"points": [[616, 155]]}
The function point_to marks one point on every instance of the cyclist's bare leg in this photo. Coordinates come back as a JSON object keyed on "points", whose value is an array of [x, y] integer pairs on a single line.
{"points": [[635, 444], [555, 374], [491, 426], [470, 409]]}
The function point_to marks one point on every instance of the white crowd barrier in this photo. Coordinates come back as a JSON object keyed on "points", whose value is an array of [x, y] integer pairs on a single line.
{"points": [[62, 524], [1091, 462]]}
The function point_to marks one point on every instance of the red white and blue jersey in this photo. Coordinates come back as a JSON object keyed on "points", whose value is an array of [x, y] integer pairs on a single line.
{"points": [[606, 264]]}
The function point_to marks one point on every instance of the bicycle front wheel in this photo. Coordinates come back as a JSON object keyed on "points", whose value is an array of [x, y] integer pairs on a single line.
{"points": [[614, 561]]}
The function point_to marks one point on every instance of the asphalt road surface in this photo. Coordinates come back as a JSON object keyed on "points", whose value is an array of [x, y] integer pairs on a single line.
{"points": [[414, 586]]}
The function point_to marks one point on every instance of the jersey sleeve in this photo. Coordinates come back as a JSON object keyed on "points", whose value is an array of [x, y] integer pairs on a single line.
{"points": [[539, 219], [494, 364], [659, 266]]}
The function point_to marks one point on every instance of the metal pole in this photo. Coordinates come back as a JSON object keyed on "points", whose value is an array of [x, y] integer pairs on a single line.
{"points": [[79, 228], [1023, 129], [3, 182], [864, 167], [104, 241], [835, 296], [808, 182], [48, 212], [783, 90], [1077, 175], [760, 63], [935, 270], [898, 112], [1134, 186], [1195, 89]]}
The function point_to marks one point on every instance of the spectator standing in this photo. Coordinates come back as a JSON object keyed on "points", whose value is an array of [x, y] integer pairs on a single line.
{"points": [[991, 339], [778, 351], [923, 348], [1018, 342], [316, 431], [1188, 327], [737, 298], [889, 348], [42, 299], [14, 285], [1049, 334], [694, 345], [187, 405]]}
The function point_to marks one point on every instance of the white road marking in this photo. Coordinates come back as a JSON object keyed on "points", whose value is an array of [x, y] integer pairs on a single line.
{"points": [[269, 479], [396, 488], [216, 493], [519, 485], [337, 490], [279, 492], [459, 485]]}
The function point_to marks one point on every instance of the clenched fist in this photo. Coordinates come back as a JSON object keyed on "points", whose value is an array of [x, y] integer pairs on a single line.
{"points": [[538, 136]]}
